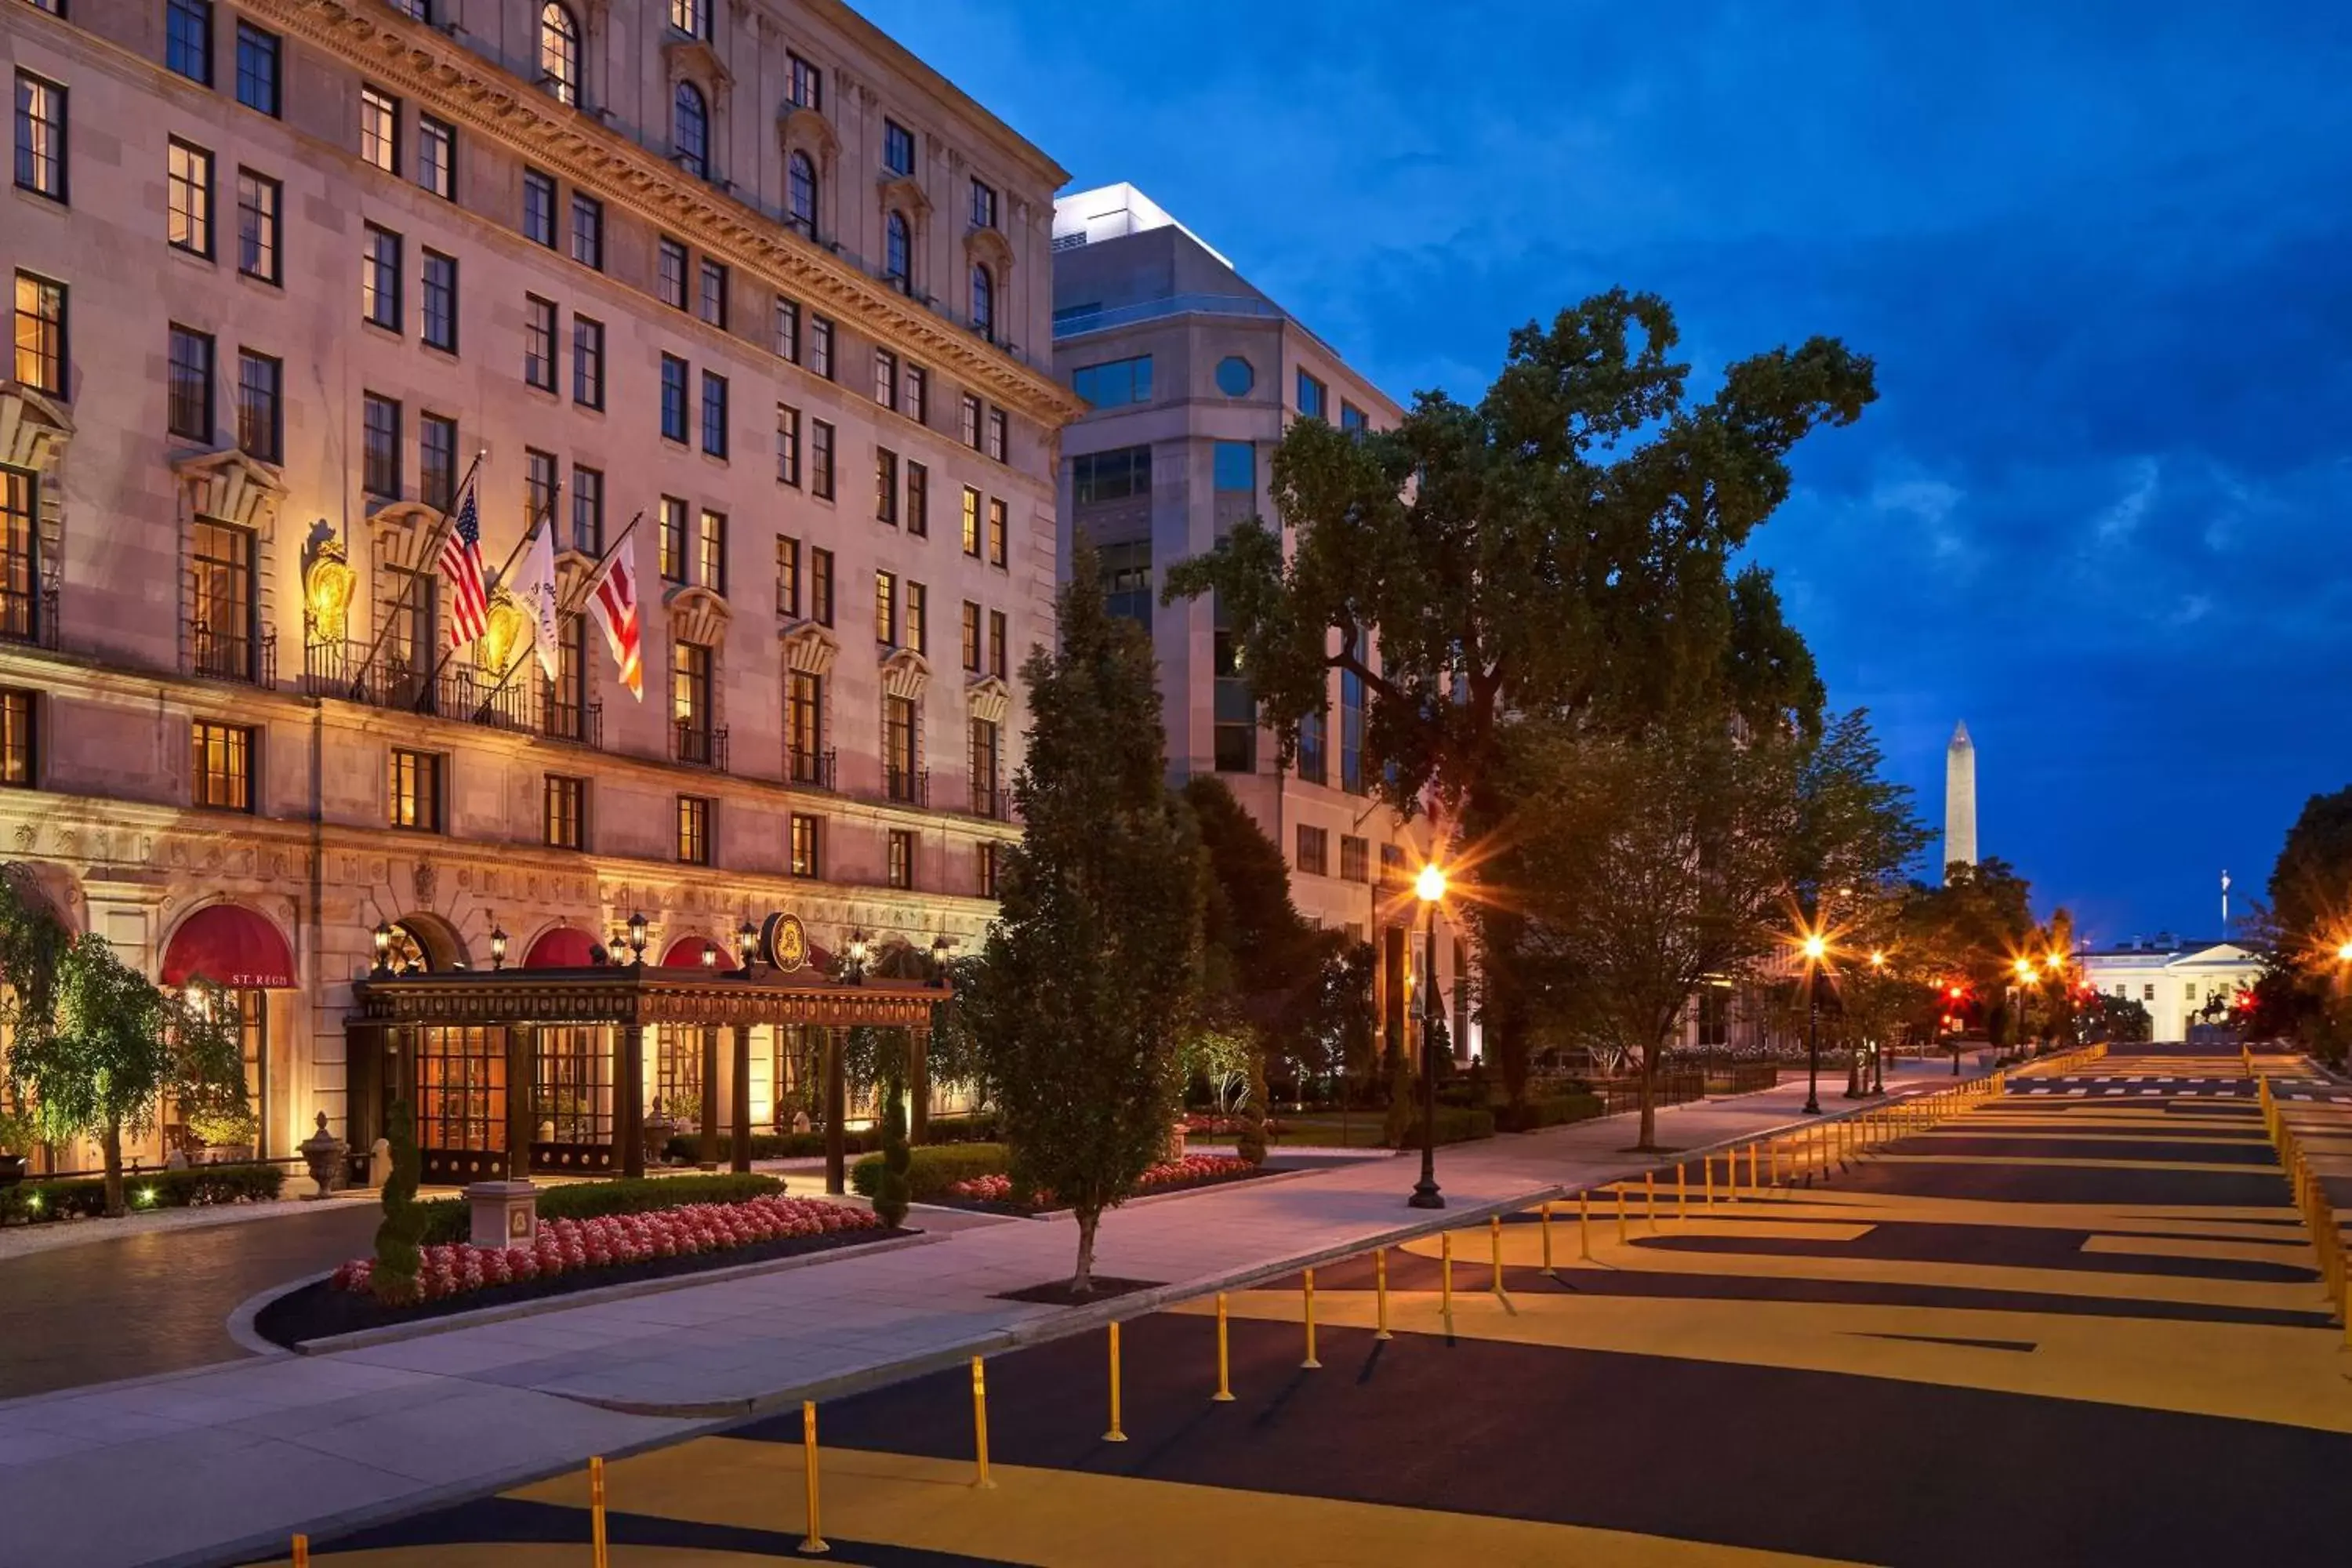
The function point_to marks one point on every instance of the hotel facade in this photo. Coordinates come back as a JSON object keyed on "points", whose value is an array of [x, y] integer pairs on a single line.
{"points": [[738, 289]]}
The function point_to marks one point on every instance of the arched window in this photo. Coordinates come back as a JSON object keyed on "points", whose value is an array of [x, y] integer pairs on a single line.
{"points": [[983, 301], [690, 134], [559, 52], [898, 254], [799, 193]]}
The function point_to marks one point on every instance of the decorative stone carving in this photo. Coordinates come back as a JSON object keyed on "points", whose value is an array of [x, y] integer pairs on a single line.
{"points": [[989, 699], [424, 878], [698, 616], [34, 429], [905, 674], [328, 584], [809, 648], [403, 533], [229, 487]]}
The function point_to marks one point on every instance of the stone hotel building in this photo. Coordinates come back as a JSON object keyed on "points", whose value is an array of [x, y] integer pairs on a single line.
{"points": [[286, 274]]}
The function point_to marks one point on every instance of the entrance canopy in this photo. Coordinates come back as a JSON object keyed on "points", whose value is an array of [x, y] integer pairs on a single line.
{"points": [[228, 944], [560, 947], [643, 994]]}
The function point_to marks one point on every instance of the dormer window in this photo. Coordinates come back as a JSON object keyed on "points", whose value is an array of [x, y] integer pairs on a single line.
{"points": [[690, 134], [558, 53]]}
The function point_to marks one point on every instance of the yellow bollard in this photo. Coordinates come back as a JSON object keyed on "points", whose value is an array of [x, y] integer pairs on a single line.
{"points": [[1682, 1192], [813, 1542], [599, 1552], [1114, 1435], [1548, 1273], [1495, 1236], [1308, 1296], [1622, 1238], [1446, 1280], [301, 1552], [1649, 1199], [1381, 1288], [1225, 1395], [980, 1402], [1754, 1183], [1584, 1225], [1706, 1177]]}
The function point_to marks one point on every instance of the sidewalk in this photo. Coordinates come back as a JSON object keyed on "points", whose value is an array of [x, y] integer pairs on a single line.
{"points": [[228, 1461]]}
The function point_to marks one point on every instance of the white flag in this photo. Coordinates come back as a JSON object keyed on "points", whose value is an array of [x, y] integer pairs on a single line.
{"points": [[535, 587]]}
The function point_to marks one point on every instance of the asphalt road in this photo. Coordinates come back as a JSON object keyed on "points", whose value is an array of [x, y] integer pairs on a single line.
{"points": [[2077, 1325]]}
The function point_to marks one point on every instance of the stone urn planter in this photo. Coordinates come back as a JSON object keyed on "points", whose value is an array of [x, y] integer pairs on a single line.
{"points": [[324, 1153]]}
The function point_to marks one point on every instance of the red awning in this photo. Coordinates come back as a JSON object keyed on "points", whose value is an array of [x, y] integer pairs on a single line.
{"points": [[230, 945], [686, 952], [561, 947]]}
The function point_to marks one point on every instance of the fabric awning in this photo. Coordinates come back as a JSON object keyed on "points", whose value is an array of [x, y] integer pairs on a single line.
{"points": [[561, 947], [230, 945], [686, 952]]}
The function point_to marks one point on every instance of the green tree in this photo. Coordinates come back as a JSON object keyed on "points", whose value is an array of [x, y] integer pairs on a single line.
{"points": [[1969, 933], [397, 1259], [120, 1047], [892, 1191], [1088, 983], [2303, 993], [1559, 550]]}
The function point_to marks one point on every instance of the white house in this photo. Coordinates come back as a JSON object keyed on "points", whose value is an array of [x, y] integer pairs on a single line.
{"points": [[2172, 978]]}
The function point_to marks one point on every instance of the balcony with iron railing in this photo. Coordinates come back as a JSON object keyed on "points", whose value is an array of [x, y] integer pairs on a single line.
{"points": [[810, 770], [909, 786], [29, 616], [233, 655], [991, 798], [340, 668], [699, 746]]}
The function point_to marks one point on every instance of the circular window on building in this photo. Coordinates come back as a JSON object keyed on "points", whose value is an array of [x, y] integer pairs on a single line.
{"points": [[1234, 377]]}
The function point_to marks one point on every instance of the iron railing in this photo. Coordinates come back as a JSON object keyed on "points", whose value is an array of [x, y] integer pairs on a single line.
{"points": [[233, 655], [909, 786], [991, 798], [29, 616], [699, 746], [815, 770]]}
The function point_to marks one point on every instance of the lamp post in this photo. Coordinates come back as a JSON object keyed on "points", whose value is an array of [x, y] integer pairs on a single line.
{"points": [[747, 944], [498, 947], [637, 936], [1429, 886], [1816, 950], [382, 937], [2024, 967]]}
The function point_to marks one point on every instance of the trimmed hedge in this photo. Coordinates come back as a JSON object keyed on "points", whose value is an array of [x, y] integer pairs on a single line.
{"points": [[1454, 1125], [1551, 1111], [199, 1187], [449, 1220], [686, 1149], [933, 1168]]}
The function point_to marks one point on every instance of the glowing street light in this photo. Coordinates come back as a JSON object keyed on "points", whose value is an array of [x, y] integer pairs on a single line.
{"points": [[1816, 948], [1429, 886]]}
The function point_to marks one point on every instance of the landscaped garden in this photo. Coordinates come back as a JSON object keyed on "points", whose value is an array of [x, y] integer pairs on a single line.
{"points": [[979, 1176]]}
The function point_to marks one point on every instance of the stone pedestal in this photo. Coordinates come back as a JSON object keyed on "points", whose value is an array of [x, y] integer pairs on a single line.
{"points": [[505, 1214], [1175, 1151]]}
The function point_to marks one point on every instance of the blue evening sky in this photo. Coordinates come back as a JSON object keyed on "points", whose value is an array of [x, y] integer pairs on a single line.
{"points": [[2102, 252]]}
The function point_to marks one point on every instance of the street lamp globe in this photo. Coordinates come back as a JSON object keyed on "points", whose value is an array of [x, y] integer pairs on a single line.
{"points": [[2344, 953], [1815, 947], [1429, 885]]}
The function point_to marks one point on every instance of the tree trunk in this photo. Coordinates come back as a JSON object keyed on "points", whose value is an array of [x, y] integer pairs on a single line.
{"points": [[1082, 1283], [1648, 1098], [112, 1142]]}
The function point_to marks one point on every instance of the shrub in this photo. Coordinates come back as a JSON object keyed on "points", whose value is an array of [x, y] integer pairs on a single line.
{"points": [[1551, 1111], [686, 1151], [890, 1188], [1454, 1125], [393, 1279], [932, 1169], [200, 1187], [450, 1220]]}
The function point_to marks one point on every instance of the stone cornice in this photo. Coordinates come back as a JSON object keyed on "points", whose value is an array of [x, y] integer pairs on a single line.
{"points": [[458, 84]]}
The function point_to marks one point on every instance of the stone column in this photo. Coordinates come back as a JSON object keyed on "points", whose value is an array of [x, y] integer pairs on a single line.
{"points": [[522, 1114], [629, 1102], [836, 1111], [739, 1099], [707, 1156]]}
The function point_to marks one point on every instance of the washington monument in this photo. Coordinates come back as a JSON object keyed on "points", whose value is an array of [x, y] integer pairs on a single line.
{"points": [[1960, 798]]}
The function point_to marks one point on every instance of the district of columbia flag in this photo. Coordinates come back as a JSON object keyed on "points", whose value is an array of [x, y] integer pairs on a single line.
{"points": [[461, 567], [534, 584], [612, 596]]}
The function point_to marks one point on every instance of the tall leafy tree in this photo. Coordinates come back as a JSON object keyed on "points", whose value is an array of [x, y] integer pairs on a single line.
{"points": [[1088, 983], [1560, 549], [2304, 989]]}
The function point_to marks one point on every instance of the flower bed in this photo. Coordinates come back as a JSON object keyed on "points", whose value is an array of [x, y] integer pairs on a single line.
{"points": [[1202, 1124], [1191, 1171]]}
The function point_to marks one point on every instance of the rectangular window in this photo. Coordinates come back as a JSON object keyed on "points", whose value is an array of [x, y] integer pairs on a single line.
{"points": [[41, 357], [669, 273], [539, 208], [820, 459], [1352, 417], [820, 355], [673, 398], [691, 17], [436, 156], [988, 867], [886, 487], [710, 552], [539, 343], [380, 447], [587, 362], [804, 727], [916, 404], [587, 231], [1314, 748], [690, 702], [413, 791], [996, 644], [670, 553], [693, 830], [190, 192], [886, 378], [998, 433], [788, 330], [714, 414], [1126, 581], [885, 609], [258, 202], [221, 600], [256, 68], [897, 148], [821, 586], [971, 522], [19, 756], [1114, 383], [1234, 467], [565, 812], [1355, 858], [20, 557], [971, 643], [189, 403], [1351, 732], [712, 302], [260, 406], [902, 858], [188, 39], [567, 715], [788, 445], [438, 299], [1314, 850], [984, 760], [808, 845], [918, 617], [806, 83], [997, 544], [1120, 474], [918, 500], [539, 487], [788, 576], [437, 460], [1311, 396], [380, 279], [899, 750], [380, 129], [983, 205], [222, 768], [587, 510], [1235, 706], [41, 136], [968, 426]]}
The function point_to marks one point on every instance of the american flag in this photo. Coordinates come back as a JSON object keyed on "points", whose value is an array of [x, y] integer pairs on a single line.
{"points": [[461, 564]]}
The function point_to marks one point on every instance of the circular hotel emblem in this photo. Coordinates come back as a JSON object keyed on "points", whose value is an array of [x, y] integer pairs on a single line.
{"points": [[783, 943]]}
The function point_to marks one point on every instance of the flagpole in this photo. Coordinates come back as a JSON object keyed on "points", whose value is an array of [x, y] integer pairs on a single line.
{"points": [[591, 576], [546, 515], [431, 555], [602, 561]]}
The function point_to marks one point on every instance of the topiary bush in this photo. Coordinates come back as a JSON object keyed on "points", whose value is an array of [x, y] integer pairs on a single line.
{"points": [[397, 1238], [891, 1190], [933, 1168]]}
